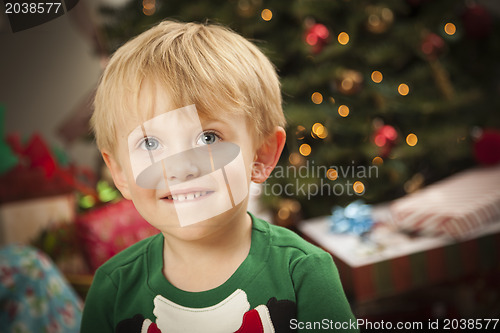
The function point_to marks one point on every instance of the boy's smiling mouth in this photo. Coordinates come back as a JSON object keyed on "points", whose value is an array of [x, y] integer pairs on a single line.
{"points": [[187, 195]]}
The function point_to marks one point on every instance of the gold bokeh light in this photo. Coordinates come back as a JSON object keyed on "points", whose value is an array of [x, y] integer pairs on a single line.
{"points": [[343, 38], [358, 187], [377, 160], [450, 28], [332, 174], [317, 98], [411, 139], [343, 110], [266, 14], [377, 76], [403, 89], [305, 149]]}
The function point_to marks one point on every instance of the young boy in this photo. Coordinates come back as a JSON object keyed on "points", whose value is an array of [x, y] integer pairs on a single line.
{"points": [[186, 116]]}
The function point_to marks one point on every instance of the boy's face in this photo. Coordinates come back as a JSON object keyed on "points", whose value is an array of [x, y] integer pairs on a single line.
{"points": [[182, 170]]}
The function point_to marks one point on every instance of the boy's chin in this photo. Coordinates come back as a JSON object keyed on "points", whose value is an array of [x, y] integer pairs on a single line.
{"points": [[201, 226]]}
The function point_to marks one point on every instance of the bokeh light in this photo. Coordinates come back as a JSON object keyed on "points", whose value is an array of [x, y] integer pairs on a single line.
{"points": [[332, 174], [403, 89], [317, 98], [305, 149], [343, 110], [148, 7], [300, 132], [377, 160], [450, 28], [411, 139], [343, 38], [266, 14], [358, 187], [295, 158], [377, 76]]}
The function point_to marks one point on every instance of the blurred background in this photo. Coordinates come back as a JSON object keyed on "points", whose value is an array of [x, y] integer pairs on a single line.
{"points": [[391, 158]]}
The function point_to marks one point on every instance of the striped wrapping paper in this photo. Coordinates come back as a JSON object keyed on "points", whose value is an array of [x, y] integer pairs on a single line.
{"points": [[456, 206], [394, 263], [449, 263]]}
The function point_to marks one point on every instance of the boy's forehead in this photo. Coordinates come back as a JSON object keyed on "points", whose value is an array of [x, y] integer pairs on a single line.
{"points": [[184, 120], [155, 99]]}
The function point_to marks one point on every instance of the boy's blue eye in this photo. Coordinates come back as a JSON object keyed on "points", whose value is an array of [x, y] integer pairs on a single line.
{"points": [[208, 138], [150, 144]]}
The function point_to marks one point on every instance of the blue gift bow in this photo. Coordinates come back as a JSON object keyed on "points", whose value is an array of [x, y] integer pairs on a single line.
{"points": [[355, 218]]}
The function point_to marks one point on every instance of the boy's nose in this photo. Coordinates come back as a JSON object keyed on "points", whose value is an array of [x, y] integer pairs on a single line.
{"points": [[182, 168], [182, 173]]}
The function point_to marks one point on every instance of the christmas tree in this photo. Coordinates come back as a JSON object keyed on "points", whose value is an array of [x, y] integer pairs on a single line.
{"points": [[381, 97]]}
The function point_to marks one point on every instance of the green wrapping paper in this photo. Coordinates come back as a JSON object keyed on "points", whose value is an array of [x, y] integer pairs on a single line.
{"points": [[7, 158]]}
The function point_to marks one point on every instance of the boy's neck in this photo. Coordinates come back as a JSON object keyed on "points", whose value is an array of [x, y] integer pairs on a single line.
{"points": [[207, 262]]}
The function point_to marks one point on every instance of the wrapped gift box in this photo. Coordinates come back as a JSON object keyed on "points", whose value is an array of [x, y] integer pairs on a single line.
{"points": [[455, 206], [22, 221], [107, 230], [391, 262]]}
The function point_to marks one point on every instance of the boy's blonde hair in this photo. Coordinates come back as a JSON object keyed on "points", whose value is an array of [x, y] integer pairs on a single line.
{"points": [[206, 65]]}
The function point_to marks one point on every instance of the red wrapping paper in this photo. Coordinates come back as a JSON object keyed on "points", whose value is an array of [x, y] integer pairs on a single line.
{"points": [[107, 230]]}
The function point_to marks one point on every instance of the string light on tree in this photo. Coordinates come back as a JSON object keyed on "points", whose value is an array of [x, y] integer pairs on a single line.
{"points": [[358, 187], [322, 133], [305, 149], [411, 139], [379, 19], [377, 76], [317, 98], [343, 38], [377, 160], [349, 82], [403, 89], [332, 174], [319, 131], [288, 213], [343, 110], [148, 7], [450, 28], [315, 127], [295, 159], [266, 14], [300, 132]]}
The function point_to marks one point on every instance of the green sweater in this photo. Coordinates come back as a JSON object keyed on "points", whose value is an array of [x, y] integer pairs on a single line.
{"points": [[285, 283]]}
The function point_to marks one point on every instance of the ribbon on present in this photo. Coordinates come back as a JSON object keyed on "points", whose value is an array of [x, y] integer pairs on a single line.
{"points": [[36, 172], [355, 218]]}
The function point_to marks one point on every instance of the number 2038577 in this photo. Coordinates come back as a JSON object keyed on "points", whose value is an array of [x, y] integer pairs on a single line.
{"points": [[32, 7]]}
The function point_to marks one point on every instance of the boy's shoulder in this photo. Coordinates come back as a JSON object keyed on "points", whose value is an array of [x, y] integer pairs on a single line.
{"points": [[286, 239], [133, 253]]}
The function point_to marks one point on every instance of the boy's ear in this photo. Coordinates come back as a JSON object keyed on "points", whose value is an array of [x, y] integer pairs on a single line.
{"points": [[267, 155], [119, 177]]}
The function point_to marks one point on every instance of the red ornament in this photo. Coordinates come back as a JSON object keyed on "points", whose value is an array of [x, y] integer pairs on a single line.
{"points": [[385, 138], [317, 36], [477, 21], [487, 147], [433, 46]]}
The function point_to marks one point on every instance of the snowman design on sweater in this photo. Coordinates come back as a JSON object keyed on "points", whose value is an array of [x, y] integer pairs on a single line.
{"points": [[232, 315]]}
